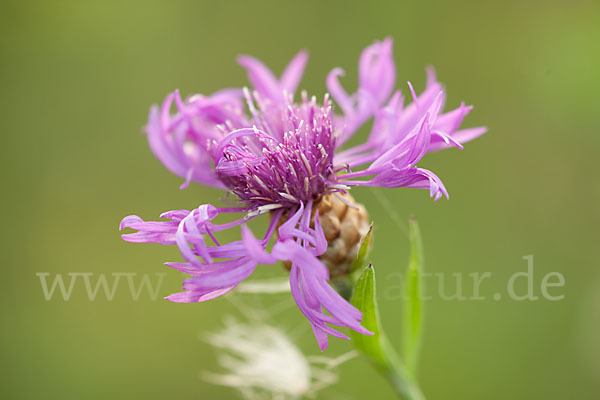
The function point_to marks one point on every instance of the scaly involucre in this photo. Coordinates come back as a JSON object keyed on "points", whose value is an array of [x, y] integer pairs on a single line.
{"points": [[279, 156]]}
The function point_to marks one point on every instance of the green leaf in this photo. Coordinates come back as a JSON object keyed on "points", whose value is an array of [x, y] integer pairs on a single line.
{"points": [[363, 251], [377, 347], [364, 298], [413, 300]]}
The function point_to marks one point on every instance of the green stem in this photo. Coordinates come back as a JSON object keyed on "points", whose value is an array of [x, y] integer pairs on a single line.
{"points": [[405, 390], [403, 382]]}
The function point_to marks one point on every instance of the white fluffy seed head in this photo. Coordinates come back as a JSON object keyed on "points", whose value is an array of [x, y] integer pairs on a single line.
{"points": [[261, 362], [262, 358]]}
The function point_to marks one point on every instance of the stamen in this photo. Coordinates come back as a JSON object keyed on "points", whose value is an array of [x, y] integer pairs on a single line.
{"points": [[340, 186], [288, 196], [292, 170], [260, 198], [263, 209], [322, 150], [261, 183], [306, 164]]}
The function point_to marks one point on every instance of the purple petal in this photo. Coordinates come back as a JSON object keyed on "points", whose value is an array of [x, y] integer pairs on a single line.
{"points": [[226, 273], [409, 177], [287, 228], [195, 296], [293, 72], [466, 135], [337, 91], [262, 78], [377, 76], [320, 240], [308, 281], [255, 249], [180, 141], [162, 232], [377, 71]]}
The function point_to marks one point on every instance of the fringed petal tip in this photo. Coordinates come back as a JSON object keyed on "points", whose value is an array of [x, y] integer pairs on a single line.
{"points": [[338, 93], [197, 296], [188, 179], [322, 342], [466, 135], [291, 76], [183, 297], [186, 268], [267, 84], [438, 194], [377, 70], [431, 76], [129, 220]]}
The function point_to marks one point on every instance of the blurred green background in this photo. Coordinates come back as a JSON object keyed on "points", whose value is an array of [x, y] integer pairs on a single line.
{"points": [[78, 79]]}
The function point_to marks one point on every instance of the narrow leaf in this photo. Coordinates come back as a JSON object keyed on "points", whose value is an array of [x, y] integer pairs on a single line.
{"points": [[377, 347], [364, 299], [413, 296]]}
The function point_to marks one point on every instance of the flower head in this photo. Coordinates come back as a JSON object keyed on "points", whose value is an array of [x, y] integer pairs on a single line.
{"points": [[284, 157]]}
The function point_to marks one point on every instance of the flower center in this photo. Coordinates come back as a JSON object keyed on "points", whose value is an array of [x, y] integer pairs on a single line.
{"points": [[284, 159]]}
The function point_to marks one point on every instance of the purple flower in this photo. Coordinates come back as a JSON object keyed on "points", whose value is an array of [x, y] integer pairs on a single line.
{"points": [[280, 156]]}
